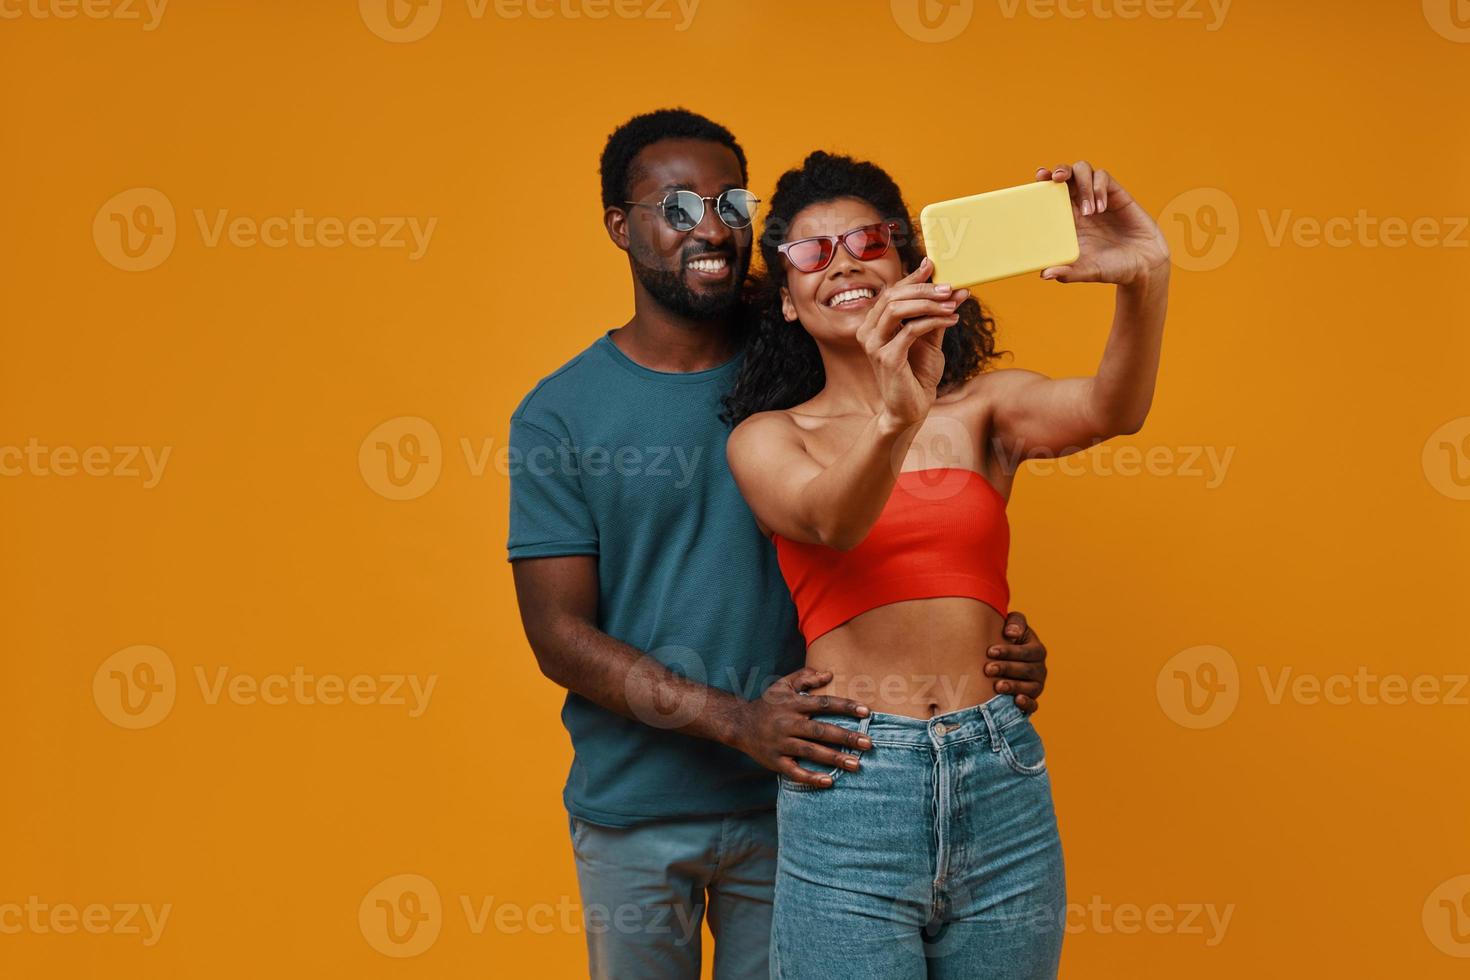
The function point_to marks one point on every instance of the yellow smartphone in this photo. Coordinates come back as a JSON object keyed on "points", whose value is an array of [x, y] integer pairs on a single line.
{"points": [[1000, 234]]}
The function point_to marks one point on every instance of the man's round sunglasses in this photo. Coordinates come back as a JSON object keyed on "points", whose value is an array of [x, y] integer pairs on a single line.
{"points": [[864, 244], [684, 210]]}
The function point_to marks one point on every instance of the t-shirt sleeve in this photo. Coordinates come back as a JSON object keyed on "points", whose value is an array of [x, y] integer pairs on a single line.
{"points": [[548, 511]]}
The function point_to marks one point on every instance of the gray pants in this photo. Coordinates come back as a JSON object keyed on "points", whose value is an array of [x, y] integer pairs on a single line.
{"points": [[646, 889]]}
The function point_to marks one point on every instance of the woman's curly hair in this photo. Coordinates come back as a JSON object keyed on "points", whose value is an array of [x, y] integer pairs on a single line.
{"points": [[782, 366]]}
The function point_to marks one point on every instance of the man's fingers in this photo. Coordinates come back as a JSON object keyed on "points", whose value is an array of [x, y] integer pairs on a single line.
{"points": [[1028, 705], [1028, 688], [1028, 652], [809, 677], [1016, 670], [788, 768], [819, 731], [821, 754], [1016, 627], [826, 704]]}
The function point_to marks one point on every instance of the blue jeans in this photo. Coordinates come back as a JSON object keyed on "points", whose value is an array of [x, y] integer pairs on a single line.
{"points": [[646, 889], [939, 858]]}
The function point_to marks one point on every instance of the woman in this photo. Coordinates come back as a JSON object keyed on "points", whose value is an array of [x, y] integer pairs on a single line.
{"points": [[877, 447]]}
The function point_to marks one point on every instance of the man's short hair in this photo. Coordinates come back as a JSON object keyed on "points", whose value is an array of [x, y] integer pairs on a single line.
{"points": [[629, 139]]}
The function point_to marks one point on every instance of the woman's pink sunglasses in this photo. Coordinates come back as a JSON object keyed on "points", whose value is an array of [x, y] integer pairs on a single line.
{"points": [[864, 244]]}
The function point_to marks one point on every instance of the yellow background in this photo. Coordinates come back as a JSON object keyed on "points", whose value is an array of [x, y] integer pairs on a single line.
{"points": [[1333, 834]]}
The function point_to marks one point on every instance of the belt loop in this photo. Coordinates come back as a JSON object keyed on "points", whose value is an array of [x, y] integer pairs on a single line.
{"points": [[991, 728]]}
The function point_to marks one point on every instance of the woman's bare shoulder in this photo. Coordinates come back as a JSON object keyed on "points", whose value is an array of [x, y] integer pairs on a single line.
{"points": [[988, 387], [769, 430]]}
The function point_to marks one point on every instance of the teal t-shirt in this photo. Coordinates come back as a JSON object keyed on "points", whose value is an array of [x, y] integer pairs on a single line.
{"points": [[613, 459]]}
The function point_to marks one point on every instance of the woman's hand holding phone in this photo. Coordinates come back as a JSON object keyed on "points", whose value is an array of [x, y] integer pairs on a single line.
{"points": [[902, 335], [1118, 242]]}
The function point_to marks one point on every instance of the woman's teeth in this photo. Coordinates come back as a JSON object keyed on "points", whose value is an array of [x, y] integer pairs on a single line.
{"points": [[708, 265], [850, 296]]}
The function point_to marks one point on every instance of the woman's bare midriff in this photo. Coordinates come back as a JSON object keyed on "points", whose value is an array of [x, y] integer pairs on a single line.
{"points": [[919, 657]]}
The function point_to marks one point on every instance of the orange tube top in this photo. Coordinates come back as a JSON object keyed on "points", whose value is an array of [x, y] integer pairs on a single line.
{"points": [[943, 532]]}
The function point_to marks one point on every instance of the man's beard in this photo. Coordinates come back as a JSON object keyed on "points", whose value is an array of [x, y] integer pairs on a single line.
{"points": [[671, 292]]}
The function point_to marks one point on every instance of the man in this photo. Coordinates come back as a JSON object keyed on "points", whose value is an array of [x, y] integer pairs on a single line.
{"points": [[647, 591]]}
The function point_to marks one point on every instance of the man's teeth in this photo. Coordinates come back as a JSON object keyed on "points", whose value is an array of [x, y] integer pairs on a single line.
{"points": [[708, 265], [849, 295]]}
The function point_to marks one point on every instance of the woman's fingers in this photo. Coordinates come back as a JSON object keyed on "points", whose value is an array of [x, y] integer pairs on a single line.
{"points": [[941, 292], [1087, 186], [898, 347], [901, 314], [922, 273], [1082, 187], [879, 326]]}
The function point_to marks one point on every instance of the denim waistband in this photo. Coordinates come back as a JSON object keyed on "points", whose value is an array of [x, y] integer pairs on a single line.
{"points": [[976, 721]]}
